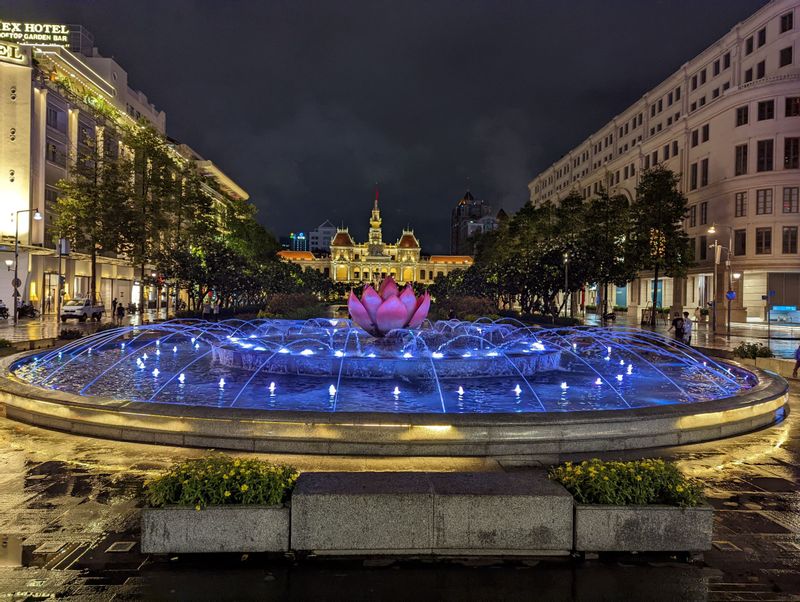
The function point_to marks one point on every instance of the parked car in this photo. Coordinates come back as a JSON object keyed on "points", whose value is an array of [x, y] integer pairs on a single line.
{"points": [[82, 309]]}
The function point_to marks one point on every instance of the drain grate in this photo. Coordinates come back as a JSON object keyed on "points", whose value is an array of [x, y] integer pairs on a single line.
{"points": [[50, 547], [121, 546]]}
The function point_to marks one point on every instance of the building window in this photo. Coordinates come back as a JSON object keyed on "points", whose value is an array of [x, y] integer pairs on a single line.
{"points": [[726, 60], [655, 158], [702, 101], [762, 36], [748, 75], [793, 106], [726, 85], [695, 138], [766, 110], [740, 242], [790, 199], [674, 148], [693, 176], [785, 57], [703, 213], [791, 153], [764, 201], [764, 155], [748, 46], [790, 240], [763, 241], [703, 248], [694, 83], [715, 68], [704, 172], [740, 167], [715, 93], [702, 77], [787, 22], [705, 133], [742, 115], [666, 152], [740, 200], [761, 69], [692, 216], [647, 162], [677, 93], [52, 117]]}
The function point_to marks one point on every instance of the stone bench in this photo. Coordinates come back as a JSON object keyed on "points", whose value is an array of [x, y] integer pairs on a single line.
{"points": [[444, 514]]}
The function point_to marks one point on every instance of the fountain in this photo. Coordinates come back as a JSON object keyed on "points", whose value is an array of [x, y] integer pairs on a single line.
{"points": [[416, 387]]}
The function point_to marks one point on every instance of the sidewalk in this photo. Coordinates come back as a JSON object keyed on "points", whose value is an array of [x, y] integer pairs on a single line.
{"points": [[783, 340], [48, 327]]}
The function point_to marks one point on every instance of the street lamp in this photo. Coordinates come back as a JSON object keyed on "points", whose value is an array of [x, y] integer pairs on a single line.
{"points": [[9, 263], [566, 282], [717, 253], [36, 216]]}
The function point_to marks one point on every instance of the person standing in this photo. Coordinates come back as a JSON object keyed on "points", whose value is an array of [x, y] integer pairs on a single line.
{"points": [[677, 326], [206, 313], [217, 307], [114, 307], [687, 328], [796, 362], [120, 313]]}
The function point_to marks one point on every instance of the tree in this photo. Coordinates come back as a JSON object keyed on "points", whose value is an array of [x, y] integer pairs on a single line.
{"points": [[93, 209], [657, 240], [607, 229]]}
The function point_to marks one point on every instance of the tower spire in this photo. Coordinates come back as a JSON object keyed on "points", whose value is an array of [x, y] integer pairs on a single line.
{"points": [[377, 191]]}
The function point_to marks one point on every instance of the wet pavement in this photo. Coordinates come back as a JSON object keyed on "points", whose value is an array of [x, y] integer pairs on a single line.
{"points": [[47, 327], [69, 528]]}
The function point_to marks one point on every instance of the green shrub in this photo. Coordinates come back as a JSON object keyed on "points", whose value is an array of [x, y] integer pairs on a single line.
{"points": [[621, 309], [68, 334], [467, 308], [293, 306], [704, 311], [5, 343], [220, 479], [641, 482], [752, 351], [590, 307]]}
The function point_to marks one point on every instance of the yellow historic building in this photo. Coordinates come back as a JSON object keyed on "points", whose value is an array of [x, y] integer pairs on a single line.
{"points": [[375, 259]]}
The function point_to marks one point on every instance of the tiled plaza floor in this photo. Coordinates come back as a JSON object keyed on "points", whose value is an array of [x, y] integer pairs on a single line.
{"points": [[65, 500]]}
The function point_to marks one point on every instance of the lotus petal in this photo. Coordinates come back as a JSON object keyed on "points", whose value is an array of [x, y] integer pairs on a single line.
{"points": [[391, 314], [422, 311], [408, 299], [388, 288], [359, 314], [371, 302]]}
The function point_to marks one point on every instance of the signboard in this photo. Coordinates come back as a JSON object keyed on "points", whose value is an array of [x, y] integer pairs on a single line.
{"points": [[34, 34], [784, 308], [12, 53], [730, 295]]}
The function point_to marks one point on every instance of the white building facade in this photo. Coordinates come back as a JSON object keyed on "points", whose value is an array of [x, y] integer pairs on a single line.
{"points": [[728, 121]]}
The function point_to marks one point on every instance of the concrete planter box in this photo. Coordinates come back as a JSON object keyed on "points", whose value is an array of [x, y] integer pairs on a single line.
{"points": [[444, 514], [601, 528], [215, 529]]}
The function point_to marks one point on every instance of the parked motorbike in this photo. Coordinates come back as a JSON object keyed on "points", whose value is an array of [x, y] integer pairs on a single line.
{"points": [[27, 310], [4, 313]]}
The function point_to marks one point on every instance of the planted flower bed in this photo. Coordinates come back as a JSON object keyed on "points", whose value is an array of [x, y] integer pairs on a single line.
{"points": [[218, 504], [640, 506]]}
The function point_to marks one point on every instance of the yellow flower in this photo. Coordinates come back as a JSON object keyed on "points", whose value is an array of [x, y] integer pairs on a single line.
{"points": [[638, 477], [227, 494], [225, 477], [244, 487], [605, 478], [197, 507], [237, 462], [679, 488]]}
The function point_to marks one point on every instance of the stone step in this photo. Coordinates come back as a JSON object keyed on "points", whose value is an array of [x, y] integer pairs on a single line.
{"points": [[444, 514]]}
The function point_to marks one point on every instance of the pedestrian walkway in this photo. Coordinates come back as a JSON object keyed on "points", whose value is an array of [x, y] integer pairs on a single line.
{"points": [[783, 339], [48, 327]]}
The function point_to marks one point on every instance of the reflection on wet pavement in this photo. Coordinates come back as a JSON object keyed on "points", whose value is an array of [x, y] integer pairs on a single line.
{"points": [[69, 527]]}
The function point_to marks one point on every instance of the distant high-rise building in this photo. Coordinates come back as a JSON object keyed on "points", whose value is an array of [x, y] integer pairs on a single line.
{"points": [[319, 239], [298, 241], [470, 217]]}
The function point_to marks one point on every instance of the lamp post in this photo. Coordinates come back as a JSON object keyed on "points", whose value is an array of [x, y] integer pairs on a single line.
{"points": [[717, 253], [566, 282], [36, 216]]}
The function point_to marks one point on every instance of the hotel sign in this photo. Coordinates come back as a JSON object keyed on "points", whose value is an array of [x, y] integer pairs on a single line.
{"points": [[12, 53], [34, 34]]}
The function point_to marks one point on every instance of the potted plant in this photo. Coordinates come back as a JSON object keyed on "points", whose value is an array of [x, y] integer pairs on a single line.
{"points": [[218, 503], [704, 314], [641, 506]]}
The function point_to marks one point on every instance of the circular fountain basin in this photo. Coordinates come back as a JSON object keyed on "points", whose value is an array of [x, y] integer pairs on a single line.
{"points": [[451, 388]]}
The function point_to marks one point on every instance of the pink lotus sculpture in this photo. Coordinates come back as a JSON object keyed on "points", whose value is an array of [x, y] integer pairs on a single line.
{"points": [[380, 312]]}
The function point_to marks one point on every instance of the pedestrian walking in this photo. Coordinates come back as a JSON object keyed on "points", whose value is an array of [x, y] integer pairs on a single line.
{"points": [[687, 328], [796, 362], [206, 312], [677, 326], [120, 313], [217, 307], [114, 307]]}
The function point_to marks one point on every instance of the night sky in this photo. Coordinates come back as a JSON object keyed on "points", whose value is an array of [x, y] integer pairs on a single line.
{"points": [[307, 104]]}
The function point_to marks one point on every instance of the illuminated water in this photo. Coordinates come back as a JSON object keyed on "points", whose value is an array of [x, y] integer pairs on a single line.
{"points": [[331, 366]]}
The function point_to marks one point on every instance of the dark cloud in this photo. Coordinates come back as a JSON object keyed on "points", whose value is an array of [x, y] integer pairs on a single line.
{"points": [[307, 103]]}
